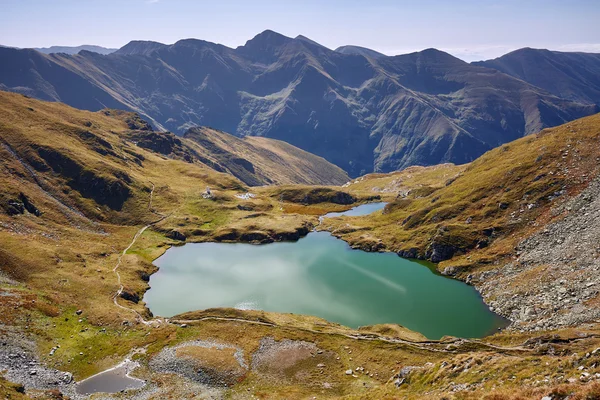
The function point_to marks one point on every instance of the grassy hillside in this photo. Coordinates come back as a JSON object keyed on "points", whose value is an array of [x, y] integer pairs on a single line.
{"points": [[85, 195], [257, 160], [509, 189], [80, 184]]}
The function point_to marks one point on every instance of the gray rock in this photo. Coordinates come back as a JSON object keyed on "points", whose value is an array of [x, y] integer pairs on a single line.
{"points": [[565, 258]]}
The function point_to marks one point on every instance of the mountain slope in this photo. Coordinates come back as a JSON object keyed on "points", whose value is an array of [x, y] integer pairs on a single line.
{"points": [[92, 165], [256, 160], [139, 47], [39, 75], [362, 114], [573, 76]]}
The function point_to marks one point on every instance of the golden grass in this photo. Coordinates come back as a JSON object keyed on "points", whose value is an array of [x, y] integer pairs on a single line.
{"points": [[272, 161], [63, 260]]}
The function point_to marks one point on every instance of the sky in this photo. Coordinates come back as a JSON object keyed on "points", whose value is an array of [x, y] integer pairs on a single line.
{"points": [[469, 29]]}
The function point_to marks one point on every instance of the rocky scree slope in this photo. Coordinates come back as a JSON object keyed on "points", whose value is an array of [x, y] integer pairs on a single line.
{"points": [[361, 113], [564, 258]]}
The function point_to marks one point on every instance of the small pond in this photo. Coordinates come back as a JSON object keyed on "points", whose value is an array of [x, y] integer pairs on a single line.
{"points": [[319, 275], [113, 380]]}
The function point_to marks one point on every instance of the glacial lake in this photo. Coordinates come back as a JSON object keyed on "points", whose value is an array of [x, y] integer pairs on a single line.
{"points": [[319, 275]]}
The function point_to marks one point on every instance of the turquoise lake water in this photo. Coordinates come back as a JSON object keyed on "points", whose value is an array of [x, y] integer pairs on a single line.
{"points": [[322, 276]]}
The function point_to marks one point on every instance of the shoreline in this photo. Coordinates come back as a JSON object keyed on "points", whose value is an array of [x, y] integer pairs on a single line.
{"points": [[507, 322]]}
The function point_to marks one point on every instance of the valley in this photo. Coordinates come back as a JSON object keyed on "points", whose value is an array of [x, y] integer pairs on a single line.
{"points": [[67, 316]]}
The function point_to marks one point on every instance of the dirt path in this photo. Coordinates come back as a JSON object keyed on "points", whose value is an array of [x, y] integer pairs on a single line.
{"points": [[116, 296], [116, 272], [427, 346]]}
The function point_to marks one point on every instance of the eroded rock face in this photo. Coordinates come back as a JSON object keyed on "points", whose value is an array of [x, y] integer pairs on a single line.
{"points": [[370, 245], [316, 196], [20, 205], [111, 191], [28, 205], [292, 235], [14, 207], [410, 253], [176, 235], [130, 296], [361, 113], [164, 143]]}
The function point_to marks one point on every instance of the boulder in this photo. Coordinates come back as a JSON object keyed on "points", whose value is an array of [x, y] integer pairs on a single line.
{"points": [[14, 207], [130, 296], [176, 235], [28, 205], [410, 253], [441, 252]]}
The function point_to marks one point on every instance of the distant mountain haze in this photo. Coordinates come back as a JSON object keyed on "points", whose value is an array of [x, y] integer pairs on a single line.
{"points": [[74, 49], [140, 47], [357, 108]]}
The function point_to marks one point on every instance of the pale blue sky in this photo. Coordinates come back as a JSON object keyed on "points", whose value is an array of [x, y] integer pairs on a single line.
{"points": [[468, 29]]}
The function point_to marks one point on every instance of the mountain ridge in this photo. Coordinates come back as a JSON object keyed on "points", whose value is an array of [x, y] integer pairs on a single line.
{"points": [[362, 114], [358, 50], [75, 49], [571, 75]]}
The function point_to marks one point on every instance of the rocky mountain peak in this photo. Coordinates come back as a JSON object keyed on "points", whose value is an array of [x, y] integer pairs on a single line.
{"points": [[304, 39], [267, 38], [264, 45], [439, 56], [140, 47]]}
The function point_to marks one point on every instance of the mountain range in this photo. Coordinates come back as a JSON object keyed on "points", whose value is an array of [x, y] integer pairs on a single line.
{"points": [[75, 49], [573, 76], [357, 108]]}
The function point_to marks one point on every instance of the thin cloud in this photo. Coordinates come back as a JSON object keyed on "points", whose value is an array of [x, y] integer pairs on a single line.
{"points": [[582, 47]]}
